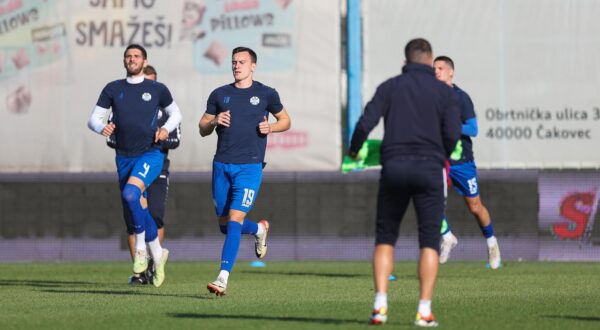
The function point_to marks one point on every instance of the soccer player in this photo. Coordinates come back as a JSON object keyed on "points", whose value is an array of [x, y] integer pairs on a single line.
{"points": [[463, 171], [421, 127], [135, 104], [239, 112], [157, 193]]}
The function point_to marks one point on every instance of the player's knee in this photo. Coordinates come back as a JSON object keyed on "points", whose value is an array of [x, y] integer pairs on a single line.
{"points": [[432, 242], [131, 194], [475, 208], [223, 229]]}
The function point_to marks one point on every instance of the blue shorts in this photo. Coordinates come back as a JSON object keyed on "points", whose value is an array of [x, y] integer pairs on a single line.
{"points": [[235, 186], [464, 179], [145, 167]]}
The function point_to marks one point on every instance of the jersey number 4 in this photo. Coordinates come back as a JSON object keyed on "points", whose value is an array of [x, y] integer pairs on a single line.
{"points": [[146, 169]]}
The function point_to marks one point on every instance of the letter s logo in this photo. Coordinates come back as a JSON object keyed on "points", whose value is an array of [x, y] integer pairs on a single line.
{"points": [[577, 209]]}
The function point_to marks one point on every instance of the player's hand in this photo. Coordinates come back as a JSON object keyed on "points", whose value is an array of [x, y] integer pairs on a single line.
{"points": [[264, 126], [161, 134], [108, 129], [223, 119]]}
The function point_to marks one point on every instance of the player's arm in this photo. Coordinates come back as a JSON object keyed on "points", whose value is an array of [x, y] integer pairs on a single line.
{"points": [[172, 123], [282, 124], [451, 124], [96, 121], [207, 124], [370, 117], [172, 142], [111, 140], [469, 127]]}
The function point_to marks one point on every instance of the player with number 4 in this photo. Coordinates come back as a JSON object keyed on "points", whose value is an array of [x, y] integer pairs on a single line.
{"points": [[239, 113]]}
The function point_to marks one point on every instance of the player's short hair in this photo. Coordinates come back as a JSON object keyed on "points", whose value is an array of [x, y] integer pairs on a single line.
{"points": [[149, 69], [417, 51], [446, 60], [136, 46], [245, 49]]}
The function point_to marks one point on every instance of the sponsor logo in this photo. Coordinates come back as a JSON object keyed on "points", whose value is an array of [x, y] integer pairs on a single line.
{"points": [[146, 97], [254, 100]]}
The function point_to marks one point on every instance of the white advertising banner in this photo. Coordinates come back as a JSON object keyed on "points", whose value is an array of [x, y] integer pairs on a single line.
{"points": [[530, 67], [57, 55]]}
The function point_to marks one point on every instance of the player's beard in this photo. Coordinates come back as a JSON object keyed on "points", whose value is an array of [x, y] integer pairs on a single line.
{"points": [[134, 71]]}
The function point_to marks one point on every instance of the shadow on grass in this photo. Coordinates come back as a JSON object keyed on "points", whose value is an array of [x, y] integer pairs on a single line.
{"points": [[265, 318], [329, 275], [127, 293], [42, 283], [574, 317]]}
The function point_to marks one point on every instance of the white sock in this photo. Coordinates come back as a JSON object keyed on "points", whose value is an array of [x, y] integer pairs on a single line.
{"points": [[260, 230], [424, 307], [224, 275], [155, 251], [491, 241], [140, 243], [447, 235], [380, 300]]}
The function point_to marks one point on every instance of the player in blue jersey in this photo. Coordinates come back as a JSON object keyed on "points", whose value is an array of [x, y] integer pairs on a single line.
{"points": [[157, 192], [135, 104], [239, 112], [463, 171]]}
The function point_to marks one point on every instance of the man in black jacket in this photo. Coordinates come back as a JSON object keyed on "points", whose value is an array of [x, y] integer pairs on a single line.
{"points": [[421, 127], [157, 193]]}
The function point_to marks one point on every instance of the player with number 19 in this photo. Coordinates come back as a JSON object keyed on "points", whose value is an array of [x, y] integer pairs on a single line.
{"points": [[239, 113]]}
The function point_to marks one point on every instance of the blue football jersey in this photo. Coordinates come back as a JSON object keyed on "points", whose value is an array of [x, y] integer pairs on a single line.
{"points": [[135, 110], [242, 142]]}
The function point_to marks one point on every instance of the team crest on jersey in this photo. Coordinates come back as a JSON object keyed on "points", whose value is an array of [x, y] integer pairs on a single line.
{"points": [[254, 100], [146, 97]]}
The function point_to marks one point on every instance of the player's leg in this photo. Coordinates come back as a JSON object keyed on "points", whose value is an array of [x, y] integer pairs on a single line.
{"points": [[157, 194], [449, 240], [146, 170], [134, 278], [124, 168], [383, 265], [482, 215], [245, 187], [221, 191], [429, 184], [130, 197], [244, 182], [392, 201], [480, 212]]}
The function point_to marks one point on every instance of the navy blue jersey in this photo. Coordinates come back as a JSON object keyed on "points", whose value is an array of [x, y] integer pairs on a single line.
{"points": [[242, 142], [135, 110], [172, 142], [421, 117], [467, 111]]}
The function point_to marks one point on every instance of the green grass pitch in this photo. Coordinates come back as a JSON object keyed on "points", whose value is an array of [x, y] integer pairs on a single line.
{"points": [[296, 295]]}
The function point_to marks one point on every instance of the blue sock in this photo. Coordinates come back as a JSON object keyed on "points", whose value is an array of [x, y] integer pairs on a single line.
{"points": [[248, 227], [231, 245], [151, 229], [131, 195], [445, 226], [487, 231]]}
